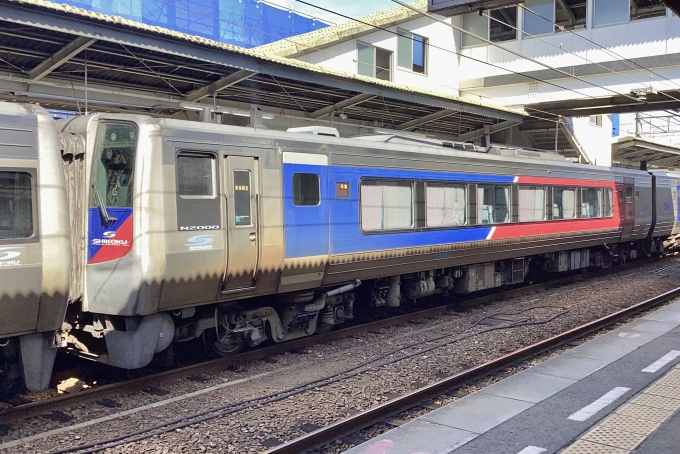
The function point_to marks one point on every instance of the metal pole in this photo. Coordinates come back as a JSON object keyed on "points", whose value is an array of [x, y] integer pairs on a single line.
{"points": [[557, 130]]}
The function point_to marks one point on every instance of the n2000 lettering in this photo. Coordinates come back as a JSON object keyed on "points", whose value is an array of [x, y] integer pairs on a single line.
{"points": [[199, 227]]}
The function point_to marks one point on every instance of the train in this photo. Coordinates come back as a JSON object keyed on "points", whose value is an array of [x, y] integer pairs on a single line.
{"points": [[129, 233]]}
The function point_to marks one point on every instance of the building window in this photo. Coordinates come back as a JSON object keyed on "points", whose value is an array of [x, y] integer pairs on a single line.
{"points": [[564, 203], [595, 120], [386, 205], [374, 62], [570, 14], [591, 202], [16, 205], [532, 203], [610, 12], [195, 176], [503, 24], [445, 205], [306, 189], [493, 204], [474, 23], [645, 9], [541, 22], [411, 51]]}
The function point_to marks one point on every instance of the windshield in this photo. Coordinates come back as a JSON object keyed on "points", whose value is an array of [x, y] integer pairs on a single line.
{"points": [[115, 158]]}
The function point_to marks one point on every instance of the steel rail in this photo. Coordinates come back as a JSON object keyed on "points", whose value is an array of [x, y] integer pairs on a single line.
{"points": [[43, 406], [378, 413]]}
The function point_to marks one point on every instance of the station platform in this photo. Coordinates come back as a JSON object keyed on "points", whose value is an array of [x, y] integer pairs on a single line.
{"points": [[618, 393]]}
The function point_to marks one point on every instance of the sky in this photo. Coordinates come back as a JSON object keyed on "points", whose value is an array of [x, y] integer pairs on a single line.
{"points": [[351, 8]]}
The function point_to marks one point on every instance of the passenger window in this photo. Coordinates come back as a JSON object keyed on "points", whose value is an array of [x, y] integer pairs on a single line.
{"points": [[637, 195], [16, 205], [591, 202], [195, 176], [532, 203], [493, 204], [564, 203], [242, 197], [608, 204], [386, 205], [446, 205], [629, 195], [306, 190], [115, 159]]}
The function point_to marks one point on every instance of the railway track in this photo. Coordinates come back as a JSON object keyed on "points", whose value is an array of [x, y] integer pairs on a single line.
{"points": [[32, 409], [415, 398]]}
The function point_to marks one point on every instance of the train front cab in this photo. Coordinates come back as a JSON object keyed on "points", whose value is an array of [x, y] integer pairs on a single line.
{"points": [[34, 245], [184, 227]]}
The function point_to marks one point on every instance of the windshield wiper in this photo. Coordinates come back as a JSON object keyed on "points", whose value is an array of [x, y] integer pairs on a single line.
{"points": [[102, 207]]}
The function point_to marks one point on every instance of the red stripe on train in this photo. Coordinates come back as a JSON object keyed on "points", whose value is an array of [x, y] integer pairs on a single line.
{"points": [[552, 227], [566, 182], [108, 253]]}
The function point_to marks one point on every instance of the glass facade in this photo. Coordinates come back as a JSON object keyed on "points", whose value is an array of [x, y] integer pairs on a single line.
{"points": [[245, 23], [539, 23]]}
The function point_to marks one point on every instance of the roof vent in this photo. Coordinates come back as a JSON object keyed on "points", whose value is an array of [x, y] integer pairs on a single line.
{"points": [[316, 130]]}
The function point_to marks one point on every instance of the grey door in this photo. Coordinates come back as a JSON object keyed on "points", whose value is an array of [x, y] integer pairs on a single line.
{"points": [[243, 233]]}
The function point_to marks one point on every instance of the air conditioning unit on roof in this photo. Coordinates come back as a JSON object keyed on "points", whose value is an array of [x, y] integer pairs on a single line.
{"points": [[316, 130]]}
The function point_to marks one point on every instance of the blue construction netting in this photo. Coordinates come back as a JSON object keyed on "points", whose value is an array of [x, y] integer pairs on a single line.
{"points": [[245, 23]]}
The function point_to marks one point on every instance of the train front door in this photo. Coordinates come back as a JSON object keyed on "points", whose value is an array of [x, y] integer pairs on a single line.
{"points": [[243, 233]]}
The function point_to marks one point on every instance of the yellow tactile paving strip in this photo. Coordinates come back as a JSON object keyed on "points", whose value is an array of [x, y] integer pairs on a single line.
{"points": [[632, 423]]}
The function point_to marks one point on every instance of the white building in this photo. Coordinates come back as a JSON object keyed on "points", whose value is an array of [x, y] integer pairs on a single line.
{"points": [[545, 51]]}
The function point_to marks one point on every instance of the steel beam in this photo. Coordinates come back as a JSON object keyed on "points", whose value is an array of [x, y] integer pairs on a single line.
{"points": [[426, 119], [60, 57], [493, 128], [349, 102], [565, 7], [220, 85]]}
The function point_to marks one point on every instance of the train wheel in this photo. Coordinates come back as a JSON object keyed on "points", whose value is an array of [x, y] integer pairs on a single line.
{"points": [[322, 328], [220, 343]]}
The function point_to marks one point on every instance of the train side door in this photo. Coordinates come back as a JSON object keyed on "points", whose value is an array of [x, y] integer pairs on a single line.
{"points": [[627, 208], [243, 232]]}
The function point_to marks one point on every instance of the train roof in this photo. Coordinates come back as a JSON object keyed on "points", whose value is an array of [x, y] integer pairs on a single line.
{"points": [[310, 143]]}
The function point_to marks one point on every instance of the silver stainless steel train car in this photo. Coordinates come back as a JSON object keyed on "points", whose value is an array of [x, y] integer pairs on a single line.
{"points": [[34, 245], [184, 229]]}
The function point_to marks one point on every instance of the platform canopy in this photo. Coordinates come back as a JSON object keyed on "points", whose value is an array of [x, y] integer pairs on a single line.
{"points": [[64, 57], [631, 151]]}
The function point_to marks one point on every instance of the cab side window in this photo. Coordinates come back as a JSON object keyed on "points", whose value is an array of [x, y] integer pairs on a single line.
{"points": [[16, 205], [306, 189]]}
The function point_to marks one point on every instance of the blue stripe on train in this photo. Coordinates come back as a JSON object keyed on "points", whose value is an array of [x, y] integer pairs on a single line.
{"points": [[307, 229]]}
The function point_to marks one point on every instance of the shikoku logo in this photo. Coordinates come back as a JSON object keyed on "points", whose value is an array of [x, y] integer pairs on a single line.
{"points": [[8, 256], [200, 242], [109, 240]]}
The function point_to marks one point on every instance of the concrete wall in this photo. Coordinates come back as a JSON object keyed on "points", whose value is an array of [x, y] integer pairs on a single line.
{"points": [[595, 140], [644, 38], [442, 67]]}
